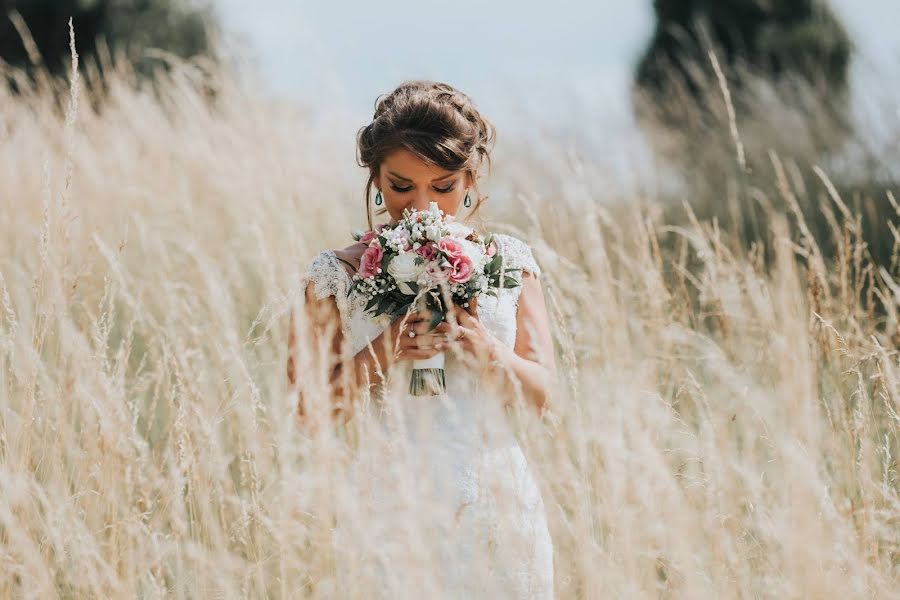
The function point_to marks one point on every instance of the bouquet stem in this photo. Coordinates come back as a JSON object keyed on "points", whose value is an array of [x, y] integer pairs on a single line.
{"points": [[427, 377]]}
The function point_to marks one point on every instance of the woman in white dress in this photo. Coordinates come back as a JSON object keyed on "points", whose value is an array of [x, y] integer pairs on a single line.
{"points": [[483, 532]]}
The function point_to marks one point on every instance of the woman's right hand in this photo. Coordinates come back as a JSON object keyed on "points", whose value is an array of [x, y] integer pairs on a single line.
{"points": [[424, 344]]}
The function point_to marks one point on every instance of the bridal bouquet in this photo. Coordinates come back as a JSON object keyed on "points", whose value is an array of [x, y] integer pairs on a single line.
{"points": [[427, 261]]}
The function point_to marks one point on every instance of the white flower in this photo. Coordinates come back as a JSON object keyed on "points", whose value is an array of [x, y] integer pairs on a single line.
{"points": [[459, 230], [403, 267], [433, 232], [397, 238]]}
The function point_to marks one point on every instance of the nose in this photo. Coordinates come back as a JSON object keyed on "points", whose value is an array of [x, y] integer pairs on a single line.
{"points": [[422, 200]]}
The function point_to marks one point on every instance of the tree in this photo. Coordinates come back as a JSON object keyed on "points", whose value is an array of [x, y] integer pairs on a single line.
{"points": [[793, 50], [130, 26]]}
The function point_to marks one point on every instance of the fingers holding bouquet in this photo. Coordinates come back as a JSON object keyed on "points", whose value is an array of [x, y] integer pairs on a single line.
{"points": [[414, 339], [469, 334], [432, 262]]}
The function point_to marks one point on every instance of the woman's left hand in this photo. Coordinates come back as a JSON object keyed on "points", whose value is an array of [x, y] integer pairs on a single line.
{"points": [[473, 337]]}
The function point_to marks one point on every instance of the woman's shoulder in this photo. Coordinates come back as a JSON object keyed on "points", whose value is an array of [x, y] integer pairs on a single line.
{"points": [[330, 270], [337, 257], [517, 253], [350, 256]]}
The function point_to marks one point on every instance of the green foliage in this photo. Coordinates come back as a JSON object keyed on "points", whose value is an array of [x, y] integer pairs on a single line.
{"points": [[799, 36], [132, 27]]}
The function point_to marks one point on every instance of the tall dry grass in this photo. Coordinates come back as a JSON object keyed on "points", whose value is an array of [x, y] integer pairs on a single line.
{"points": [[726, 426]]}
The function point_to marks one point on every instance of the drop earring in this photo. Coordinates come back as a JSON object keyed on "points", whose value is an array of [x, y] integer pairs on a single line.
{"points": [[378, 198], [468, 201]]}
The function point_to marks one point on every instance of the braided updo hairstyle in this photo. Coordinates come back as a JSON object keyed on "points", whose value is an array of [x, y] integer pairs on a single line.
{"points": [[434, 121]]}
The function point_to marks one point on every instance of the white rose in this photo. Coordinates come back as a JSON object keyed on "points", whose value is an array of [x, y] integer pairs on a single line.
{"points": [[403, 269], [459, 230]]}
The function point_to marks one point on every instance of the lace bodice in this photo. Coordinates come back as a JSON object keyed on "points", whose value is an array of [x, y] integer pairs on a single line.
{"points": [[498, 314]]}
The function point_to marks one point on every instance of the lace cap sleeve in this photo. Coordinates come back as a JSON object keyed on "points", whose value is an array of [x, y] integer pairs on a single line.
{"points": [[517, 254], [328, 278]]}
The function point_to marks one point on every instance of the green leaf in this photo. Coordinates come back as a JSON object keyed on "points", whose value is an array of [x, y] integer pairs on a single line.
{"points": [[383, 303], [494, 264]]}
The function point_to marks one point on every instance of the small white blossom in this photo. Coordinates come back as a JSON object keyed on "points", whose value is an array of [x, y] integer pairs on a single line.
{"points": [[433, 232]]}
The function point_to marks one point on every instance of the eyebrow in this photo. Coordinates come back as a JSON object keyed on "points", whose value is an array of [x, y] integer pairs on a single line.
{"points": [[398, 176]]}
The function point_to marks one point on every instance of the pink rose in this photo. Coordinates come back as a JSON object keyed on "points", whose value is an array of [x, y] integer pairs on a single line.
{"points": [[370, 260], [491, 249], [370, 235], [450, 246], [460, 269], [427, 251]]}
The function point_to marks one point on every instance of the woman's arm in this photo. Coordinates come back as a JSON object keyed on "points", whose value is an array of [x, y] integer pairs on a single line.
{"points": [[344, 380], [532, 358], [347, 379], [529, 366]]}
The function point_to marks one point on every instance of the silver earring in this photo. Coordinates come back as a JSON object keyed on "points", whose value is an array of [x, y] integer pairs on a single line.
{"points": [[468, 201], [378, 198]]}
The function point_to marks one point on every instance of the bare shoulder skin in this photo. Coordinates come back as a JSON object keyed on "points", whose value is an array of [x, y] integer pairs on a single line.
{"points": [[350, 254]]}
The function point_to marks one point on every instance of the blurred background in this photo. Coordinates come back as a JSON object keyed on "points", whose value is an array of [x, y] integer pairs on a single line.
{"points": [[630, 86], [560, 62], [568, 65]]}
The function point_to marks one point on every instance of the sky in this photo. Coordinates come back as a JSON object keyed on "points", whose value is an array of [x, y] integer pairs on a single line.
{"points": [[494, 51], [564, 61]]}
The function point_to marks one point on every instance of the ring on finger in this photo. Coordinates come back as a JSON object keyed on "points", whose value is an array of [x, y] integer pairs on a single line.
{"points": [[412, 331]]}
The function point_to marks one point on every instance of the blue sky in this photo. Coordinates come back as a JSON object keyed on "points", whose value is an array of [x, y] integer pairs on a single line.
{"points": [[564, 60]]}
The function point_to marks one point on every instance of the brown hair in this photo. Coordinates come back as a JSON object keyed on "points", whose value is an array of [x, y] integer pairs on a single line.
{"points": [[434, 121]]}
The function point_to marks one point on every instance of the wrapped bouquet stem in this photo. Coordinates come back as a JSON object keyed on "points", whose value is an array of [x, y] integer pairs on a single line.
{"points": [[429, 261], [427, 377]]}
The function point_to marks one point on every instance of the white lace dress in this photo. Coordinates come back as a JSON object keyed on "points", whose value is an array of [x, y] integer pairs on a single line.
{"points": [[442, 503]]}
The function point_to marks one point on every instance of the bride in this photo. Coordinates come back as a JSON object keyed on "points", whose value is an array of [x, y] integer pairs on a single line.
{"points": [[452, 485]]}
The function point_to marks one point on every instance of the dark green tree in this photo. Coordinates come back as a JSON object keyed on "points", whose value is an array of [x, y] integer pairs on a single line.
{"points": [[797, 47], [180, 27]]}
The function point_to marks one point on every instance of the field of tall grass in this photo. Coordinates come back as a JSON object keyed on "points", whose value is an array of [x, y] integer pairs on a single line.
{"points": [[726, 424]]}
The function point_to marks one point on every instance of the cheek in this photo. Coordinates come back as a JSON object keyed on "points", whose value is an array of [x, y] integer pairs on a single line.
{"points": [[450, 206], [394, 205]]}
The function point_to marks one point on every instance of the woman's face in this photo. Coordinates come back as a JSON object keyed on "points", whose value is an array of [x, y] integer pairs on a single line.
{"points": [[406, 181]]}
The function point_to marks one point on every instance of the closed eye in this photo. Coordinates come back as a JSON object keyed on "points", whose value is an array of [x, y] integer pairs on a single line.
{"points": [[445, 190]]}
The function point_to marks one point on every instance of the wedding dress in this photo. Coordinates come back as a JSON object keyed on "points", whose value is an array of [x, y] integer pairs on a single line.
{"points": [[442, 502]]}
